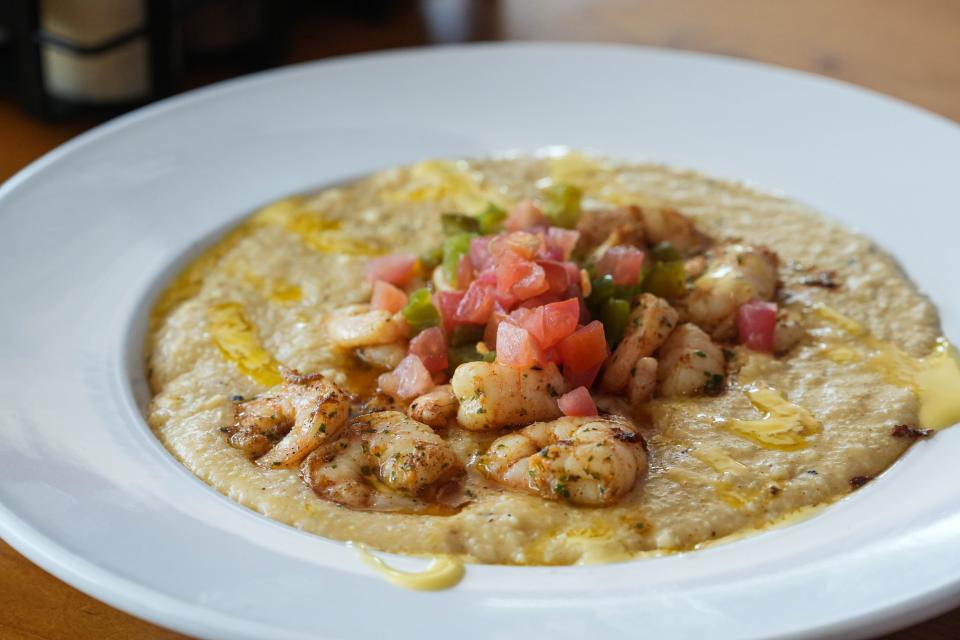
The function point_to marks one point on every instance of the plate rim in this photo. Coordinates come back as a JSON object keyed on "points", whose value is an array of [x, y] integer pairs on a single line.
{"points": [[87, 577]]}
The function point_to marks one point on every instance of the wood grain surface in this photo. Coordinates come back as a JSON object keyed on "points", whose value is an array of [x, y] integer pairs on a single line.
{"points": [[906, 48]]}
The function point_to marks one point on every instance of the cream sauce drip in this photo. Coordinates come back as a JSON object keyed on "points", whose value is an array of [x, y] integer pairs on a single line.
{"points": [[443, 572]]}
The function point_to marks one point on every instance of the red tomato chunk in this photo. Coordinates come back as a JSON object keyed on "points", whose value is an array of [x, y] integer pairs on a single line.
{"points": [[756, 322], [585, 348], [396, 268], [577, 403], [387, 297], [430, 346]]}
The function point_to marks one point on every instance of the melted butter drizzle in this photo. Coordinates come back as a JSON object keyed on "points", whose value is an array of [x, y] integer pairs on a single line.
{"points": [[783, 426], [444, 571], [933, 379], [315, 231], [454, 181], [239, 344]]}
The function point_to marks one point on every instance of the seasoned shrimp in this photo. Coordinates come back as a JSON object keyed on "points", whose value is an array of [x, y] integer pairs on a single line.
{"points": [[787, 332], [386, 462], [690, 364], [649, 325], [282, 426], [609, 227], [358, 326], [586, 461], [643, 381], [493, 395], [669, 225], [737, 273], [383, 356], [435, 408]]}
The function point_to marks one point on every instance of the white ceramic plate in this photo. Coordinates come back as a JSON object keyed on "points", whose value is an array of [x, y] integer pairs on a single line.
{"points": [[90, 232]]}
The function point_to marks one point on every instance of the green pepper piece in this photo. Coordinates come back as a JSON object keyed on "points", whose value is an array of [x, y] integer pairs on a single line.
{"points": [[469, 334], [490, 220], [456, 223], [490, 356], [665, 252], [615, 315], [419, 312], [561, 203], [461, 354], [454, 247], [601, 290], [667, 280], [432, 257]]}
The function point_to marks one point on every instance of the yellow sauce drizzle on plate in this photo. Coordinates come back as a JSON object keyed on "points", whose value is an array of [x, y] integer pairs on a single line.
{"points": [[784, 425], [238, 343], [444, 571], [933, 379]]}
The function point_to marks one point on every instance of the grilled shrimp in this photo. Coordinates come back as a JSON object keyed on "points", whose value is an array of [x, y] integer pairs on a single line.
{"points": [[586, 461], [493, 395], [669, 225], [282, 426], [787, 332], [649, 325], [358, 326], [435, 408], [383, 356], [385, 461], [737, 273], [690, 364], [609, 227], [643, 381]]}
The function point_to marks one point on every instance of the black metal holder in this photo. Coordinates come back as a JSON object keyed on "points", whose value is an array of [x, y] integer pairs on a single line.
{"points": [[26, 40]]}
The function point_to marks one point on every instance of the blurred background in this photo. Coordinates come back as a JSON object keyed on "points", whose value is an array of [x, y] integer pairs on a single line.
{"points": [[68, 65]]}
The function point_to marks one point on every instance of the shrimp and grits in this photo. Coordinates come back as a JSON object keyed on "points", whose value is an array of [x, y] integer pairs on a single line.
{"points": [[523, 360]]}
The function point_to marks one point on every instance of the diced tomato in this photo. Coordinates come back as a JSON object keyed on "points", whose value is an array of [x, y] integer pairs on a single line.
{"points": [[507, 301], [522, 243], [532, 280], [396, 268], [550, 355], [524, 215], [430, 346], [581, 378], [550, 323], [563, 240], [558, 277], [624, 263], [409, 380], [585, 348], [480, 254], [542, 299], [577, 403], [515, 346], [493, 326], [476, 305], [447, 303], [573, 278], [464, 272], [756, 322], [507, 271], [387, 297], [559, 321]]}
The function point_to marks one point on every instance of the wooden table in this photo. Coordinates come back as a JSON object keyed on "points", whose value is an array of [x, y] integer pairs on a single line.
{"points": [[906, 48]]}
